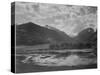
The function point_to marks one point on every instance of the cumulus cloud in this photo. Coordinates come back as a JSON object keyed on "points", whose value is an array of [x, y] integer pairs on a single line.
{"points": [[69, 18]]}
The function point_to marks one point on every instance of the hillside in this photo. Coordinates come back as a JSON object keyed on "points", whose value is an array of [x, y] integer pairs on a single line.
{"points": [[32, 34]]}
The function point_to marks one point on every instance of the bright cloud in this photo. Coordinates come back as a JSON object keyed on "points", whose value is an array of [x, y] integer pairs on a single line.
{"points": [[70, 19]]}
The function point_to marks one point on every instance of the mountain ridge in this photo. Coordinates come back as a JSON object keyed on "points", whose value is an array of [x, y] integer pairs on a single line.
{"points": [[31, 31], [32, 34]]}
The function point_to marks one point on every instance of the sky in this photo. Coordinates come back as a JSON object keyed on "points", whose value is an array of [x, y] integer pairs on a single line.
{"points": [[68, 18]]}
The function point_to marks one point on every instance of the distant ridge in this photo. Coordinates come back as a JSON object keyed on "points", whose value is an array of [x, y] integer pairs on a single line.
{"points": [[33, 34], [87, 35]]}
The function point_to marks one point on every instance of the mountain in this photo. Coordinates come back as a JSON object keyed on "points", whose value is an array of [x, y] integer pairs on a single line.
{"points": [[87, 36], [32, 34]]}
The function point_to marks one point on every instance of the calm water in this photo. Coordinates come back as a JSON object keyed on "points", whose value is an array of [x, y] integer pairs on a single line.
{"points": [[39, 62]]}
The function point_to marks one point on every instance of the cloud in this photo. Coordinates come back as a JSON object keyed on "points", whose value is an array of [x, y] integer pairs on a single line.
{"points": [[70, 19]]}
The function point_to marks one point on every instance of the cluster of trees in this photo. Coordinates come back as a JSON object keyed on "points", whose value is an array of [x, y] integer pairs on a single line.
{"points": [[73, 46]]}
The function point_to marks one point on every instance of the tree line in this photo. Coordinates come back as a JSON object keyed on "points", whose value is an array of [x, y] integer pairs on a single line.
{"points": [[73, 45]]}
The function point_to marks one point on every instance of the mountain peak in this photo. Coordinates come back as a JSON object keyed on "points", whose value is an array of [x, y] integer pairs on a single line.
{"points": [[31, 34]]}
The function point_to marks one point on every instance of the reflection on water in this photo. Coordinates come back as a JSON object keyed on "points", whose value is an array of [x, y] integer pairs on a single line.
{"points": [[54, 60], [59, 59]]}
